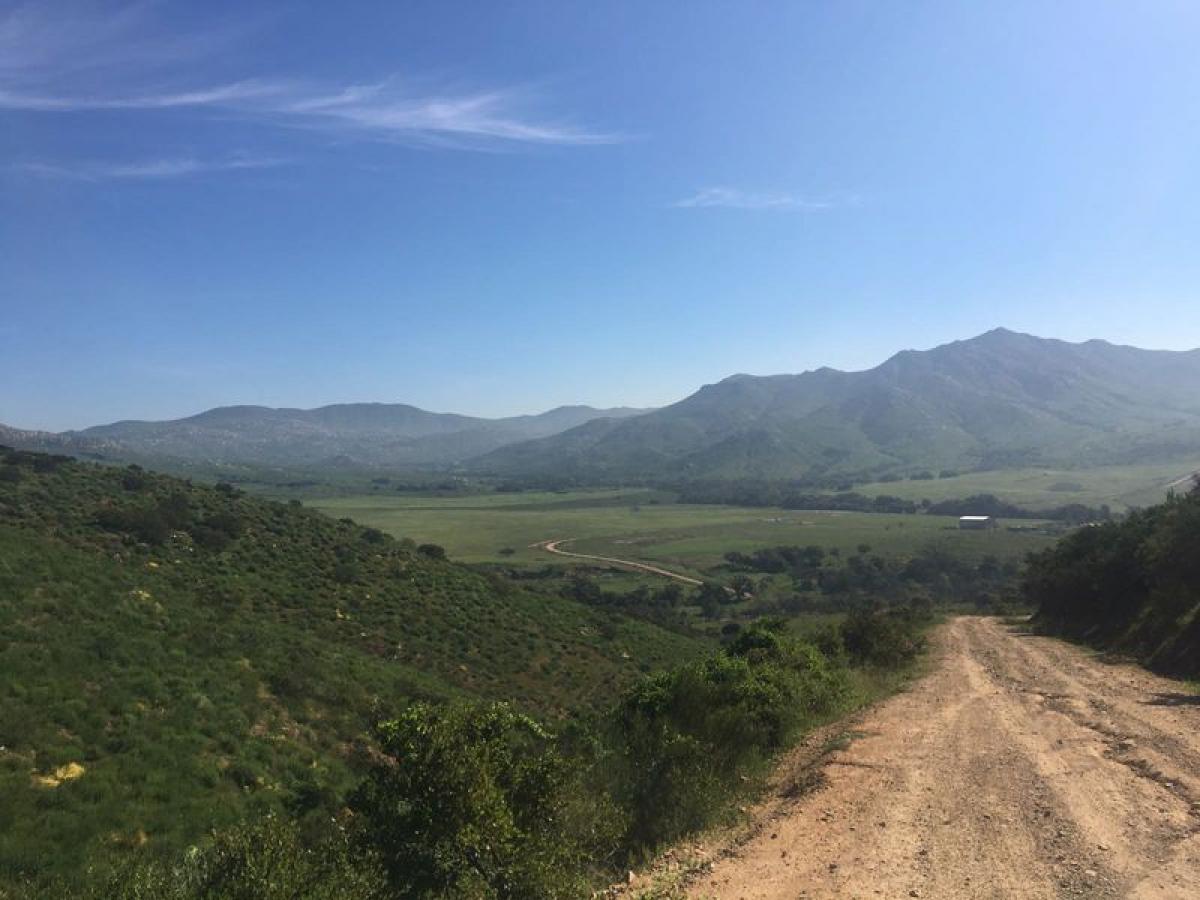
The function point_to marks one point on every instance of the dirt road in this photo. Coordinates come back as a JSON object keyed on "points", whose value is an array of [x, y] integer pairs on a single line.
{"points": [[1021, 767], [555, 546]]}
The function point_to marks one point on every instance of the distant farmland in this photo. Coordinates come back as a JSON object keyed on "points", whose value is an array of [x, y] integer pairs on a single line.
{"points": [[637, 525], [1041, 488]]}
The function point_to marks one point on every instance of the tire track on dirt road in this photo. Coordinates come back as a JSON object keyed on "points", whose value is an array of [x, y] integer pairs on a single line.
{"points": [[1020, 767]]}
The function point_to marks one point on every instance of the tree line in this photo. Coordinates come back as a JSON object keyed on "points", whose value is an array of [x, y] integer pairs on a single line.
{"points": [[787, 496]]}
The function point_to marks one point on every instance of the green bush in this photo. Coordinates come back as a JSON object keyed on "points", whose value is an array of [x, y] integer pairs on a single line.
{"points": [[683, 737], [1132, 585], [468, 801], [268, 860], [882, 638]]}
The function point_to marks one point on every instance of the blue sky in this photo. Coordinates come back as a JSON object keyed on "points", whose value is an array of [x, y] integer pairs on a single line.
{"points": [[499, 208]]}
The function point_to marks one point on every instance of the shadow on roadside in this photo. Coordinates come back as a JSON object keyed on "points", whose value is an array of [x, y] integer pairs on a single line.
{"points": [[1173, 698]]}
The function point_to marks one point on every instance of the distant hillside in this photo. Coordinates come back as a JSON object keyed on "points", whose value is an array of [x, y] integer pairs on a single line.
{"points": [[364, 434], [1001, 400], [178, 657]]}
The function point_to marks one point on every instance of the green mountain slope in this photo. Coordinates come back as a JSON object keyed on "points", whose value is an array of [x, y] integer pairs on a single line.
{"points": [[176, 657], [997, 401]]}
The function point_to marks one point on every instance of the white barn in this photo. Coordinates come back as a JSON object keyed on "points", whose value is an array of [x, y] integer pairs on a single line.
{"points": [[976, 523]]}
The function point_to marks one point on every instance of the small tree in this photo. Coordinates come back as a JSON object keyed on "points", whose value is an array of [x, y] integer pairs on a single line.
{"points": [[472, 800]]}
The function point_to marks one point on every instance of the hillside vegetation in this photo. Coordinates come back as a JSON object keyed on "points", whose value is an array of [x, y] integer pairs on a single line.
{"points": [[999, 401], [1131, 586], [477, 800], [179, 657]]}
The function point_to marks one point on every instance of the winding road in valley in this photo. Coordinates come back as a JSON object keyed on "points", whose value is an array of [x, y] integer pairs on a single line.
{"points": [[1020, 767], [555, 546]]}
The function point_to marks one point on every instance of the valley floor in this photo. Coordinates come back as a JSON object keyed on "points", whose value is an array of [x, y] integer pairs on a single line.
{"points": [[1020, 767]]}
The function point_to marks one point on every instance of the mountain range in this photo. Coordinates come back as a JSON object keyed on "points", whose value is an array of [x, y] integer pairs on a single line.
{"points": [[362, 434], [999, 400]]}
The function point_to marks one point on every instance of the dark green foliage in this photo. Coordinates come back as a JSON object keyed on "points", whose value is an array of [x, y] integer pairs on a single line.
{"points": [[794, 494], [796, 560], [1132, 585], [933, 573], [660, 605], [431, 551], [990, 505], [680, 739], [268, 860], [885, 639], [134, 479], [473, 801], [789, 496]]}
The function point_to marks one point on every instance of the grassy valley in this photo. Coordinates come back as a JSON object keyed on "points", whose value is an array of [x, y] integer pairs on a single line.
{"points": [[647, 526]]}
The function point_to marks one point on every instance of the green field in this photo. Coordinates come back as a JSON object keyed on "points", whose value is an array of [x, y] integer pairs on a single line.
{"points": [[637, 525], [1119, 486]]}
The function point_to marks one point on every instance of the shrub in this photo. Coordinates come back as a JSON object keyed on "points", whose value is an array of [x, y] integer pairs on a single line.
{"points": [[1133, 584], [683, 736], [133, 479], [887, 639], [263, 861], [469, 801], [147, 524]]}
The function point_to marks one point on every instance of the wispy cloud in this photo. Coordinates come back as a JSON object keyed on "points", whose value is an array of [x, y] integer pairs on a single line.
{"points": [[376, 112], [150, 169], [218, 95], [385, 110], [734, 198], [73, 61]]}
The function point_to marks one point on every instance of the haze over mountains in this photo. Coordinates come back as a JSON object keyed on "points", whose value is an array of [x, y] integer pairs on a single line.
{"points": [[1000, 400], [368, 434]]}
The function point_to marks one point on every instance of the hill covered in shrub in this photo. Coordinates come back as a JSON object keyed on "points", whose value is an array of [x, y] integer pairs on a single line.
{"points": [[1131, 586], [473, 799], [178, 658]]}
